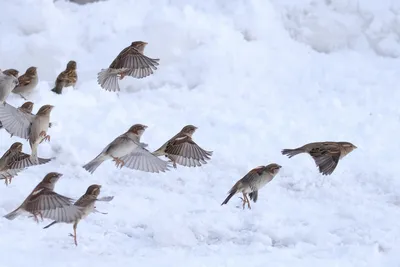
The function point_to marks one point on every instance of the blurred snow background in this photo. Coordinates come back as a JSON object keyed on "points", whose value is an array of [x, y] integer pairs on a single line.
{"points": [[255, 77]]}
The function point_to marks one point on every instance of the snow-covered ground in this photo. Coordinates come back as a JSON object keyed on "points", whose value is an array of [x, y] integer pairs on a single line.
{"points": [[255, 76]]}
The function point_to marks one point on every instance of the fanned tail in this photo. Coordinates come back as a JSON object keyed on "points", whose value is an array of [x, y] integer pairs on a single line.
{"points": [[12, 215], [292, 152], [108, 79]]}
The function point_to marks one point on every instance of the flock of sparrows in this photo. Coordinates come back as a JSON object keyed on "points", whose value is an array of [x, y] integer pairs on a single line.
{"points": [[126, 150]]}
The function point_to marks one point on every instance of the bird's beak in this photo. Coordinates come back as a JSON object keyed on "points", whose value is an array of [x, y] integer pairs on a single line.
{"points": [[145, 43], [145, 126]]}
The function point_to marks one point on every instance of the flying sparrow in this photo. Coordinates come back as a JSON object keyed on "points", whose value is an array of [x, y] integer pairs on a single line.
{"points": [[46, 203], [25, 125], [66, 78], [26, 107], [182, 150], [8, 81], [130, 62], [14, 160], [87, 202], [325, 154], [27, 82], [253, 181], [126, 150]]}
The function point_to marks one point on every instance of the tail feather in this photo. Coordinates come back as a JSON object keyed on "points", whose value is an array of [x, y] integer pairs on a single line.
{"points": [[158, 153], [50, 225], [58, 88], [93, 165], [292, 152], [12, 215], [228, 198], [34, 157], [108, 79]]}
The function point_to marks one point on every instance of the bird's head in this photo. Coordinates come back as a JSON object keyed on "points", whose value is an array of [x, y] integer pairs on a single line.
{"points": [[189, 130]]}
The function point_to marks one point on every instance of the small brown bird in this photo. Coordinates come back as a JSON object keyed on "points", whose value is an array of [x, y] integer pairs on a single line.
{"points": [[325, 154], [126, 150], [14, 160], [253, 181], [27, 82], [8, 81], [25, 125], [46, 203], [87, 202], [26, 108], [182, 150], [130, 62], [66, 78]]}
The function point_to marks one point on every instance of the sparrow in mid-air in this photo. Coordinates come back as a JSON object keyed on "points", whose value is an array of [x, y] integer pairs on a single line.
{"points": [[66, 78], [27, 82], [253, 181], [182, 150], [87, 202], [130, 62], [8, 81], [14, 160], [126, 150], [25, 125], [46, 203], [325, 154]]}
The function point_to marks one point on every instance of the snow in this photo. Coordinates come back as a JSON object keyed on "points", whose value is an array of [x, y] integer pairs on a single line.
{"points": [[255, 77]]}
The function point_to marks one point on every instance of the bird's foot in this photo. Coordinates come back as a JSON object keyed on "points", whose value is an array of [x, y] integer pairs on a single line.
{"points": [[45, 136], [118, 162], [74, 236]]}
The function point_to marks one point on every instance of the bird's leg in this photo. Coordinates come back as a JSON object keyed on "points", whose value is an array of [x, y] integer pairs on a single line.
{"points": [[74, 235], [118, 162], [8, 180], [244, 198], [248, 202], [22, 96], [122, 74], [35, 216], [45, 136]]}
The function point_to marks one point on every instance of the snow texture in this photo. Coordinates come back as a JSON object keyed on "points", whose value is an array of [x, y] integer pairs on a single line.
{"points": [[255, 76]]}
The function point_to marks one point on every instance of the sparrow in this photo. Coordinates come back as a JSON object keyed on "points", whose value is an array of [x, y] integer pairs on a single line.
{"points": [[182, 150], [8, 81], [325, 154], [25, 125], [26, 107], [66, 78], [87, 202], [253, 181], [14, 160], [130, 62], [27, 82], [46, 203], [126, 150]]}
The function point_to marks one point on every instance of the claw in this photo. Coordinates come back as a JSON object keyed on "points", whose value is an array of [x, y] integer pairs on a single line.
{"points": [[118, 162]]}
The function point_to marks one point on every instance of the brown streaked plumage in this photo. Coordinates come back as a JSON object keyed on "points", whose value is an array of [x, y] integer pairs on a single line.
{"points": [[182, 150], [25, 125], [14, 161], [325, 154], [66, 78], [27, 82], [126, 150], [253, 181], [130, 62], [8, 81], [87, 202], [46, 203]]}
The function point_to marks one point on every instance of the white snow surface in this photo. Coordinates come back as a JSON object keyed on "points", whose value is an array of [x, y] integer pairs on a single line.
{"points": [[255, 76]]}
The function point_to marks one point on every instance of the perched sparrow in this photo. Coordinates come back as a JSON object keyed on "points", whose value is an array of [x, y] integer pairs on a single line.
{"points": [[126, 150], [14, 161], [46, 203], [87, 202], [25, 125], [66, 78], [129, 62], [182, 150], [253, 181], [8, 81], [325, 154], [27, 82]]}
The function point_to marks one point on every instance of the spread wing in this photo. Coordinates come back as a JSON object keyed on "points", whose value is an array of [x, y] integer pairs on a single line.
{"points": [[10, 173], [326, 158], [185, 150], [16, 121], [139, 65], [23, 160], [141, 159], [53, 206]]}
